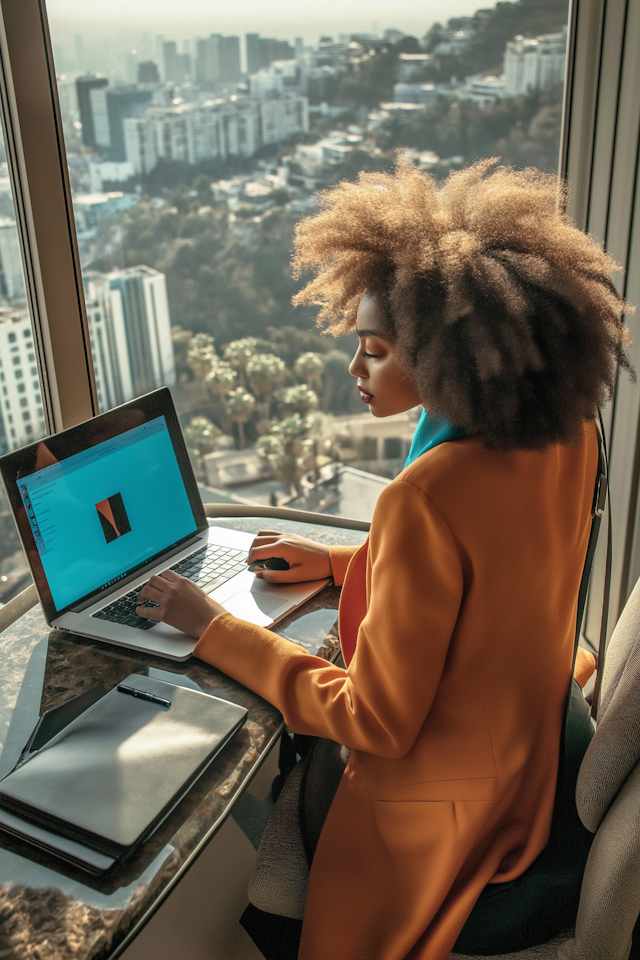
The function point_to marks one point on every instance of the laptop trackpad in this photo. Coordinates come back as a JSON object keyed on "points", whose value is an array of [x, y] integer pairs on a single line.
{"points": [[258, 608]]}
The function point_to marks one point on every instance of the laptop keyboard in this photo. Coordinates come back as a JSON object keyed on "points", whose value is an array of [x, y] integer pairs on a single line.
{"points": [[209, 567]]}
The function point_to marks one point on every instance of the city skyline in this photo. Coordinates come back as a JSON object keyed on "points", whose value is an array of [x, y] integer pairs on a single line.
{"points": [[281, 18]]}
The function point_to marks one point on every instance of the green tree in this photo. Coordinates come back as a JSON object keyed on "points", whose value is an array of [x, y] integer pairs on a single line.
{"points": [[339, 385], [264, 372], [300, 399], [288, 450], [309, 367], [201, 437], [240, 404], [220, 380], [201, 355], [238, 353], [181, 340]]}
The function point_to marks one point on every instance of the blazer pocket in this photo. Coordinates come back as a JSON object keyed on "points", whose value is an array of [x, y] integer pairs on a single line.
{"points": [[467, 790]]}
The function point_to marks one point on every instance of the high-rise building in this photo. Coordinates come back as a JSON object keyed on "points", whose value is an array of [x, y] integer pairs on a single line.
{"points": [[123, 102], [170, 62], [11, 270], [108, 342], [283, 117], [272, 49], [185, 67], [207, 61], [148, 72], [140, 144], [534, 64], [230, 59], [103, 110], [298, 44], [68, 97], [252, 45], [84, 87], [213, 130], [139, 295], [21, 401]]}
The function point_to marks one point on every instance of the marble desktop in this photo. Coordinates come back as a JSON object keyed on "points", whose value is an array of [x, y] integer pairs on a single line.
{"points": [[52, 911]]}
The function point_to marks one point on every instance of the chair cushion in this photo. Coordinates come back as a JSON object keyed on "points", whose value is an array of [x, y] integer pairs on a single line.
{"points": [[278, 883]]}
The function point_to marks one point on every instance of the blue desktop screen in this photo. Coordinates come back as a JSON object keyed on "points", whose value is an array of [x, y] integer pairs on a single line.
{"points": [[100, 513]]}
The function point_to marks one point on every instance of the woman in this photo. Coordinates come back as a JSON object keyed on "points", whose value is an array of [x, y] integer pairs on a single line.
{"points": [[485, 305]]}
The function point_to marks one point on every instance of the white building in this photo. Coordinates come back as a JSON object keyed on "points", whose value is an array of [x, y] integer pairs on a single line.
{"points": [[139, 305], [534, 64], [483, 91], [215, 129], [283, 118], [21, 400], [108, 341], [279, 77], [108, 171], [11, 270]]}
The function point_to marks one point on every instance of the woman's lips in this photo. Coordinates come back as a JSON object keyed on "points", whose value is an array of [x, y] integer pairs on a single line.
{"points": [[365, 397]]}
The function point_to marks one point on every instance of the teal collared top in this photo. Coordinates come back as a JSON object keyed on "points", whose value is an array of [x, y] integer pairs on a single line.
{"points": [[429, 433]]}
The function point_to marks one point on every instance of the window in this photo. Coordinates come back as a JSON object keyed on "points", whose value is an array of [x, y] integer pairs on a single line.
{"points": [[15, 336], [599, 154], [190, 169]]}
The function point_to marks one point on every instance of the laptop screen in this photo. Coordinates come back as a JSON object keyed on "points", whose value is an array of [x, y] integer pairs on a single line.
{"points": [[96, 503], [99, 515]]}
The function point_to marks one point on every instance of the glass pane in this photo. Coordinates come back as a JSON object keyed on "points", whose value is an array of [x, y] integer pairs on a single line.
{"points": [[21, 417], [194, 148]]}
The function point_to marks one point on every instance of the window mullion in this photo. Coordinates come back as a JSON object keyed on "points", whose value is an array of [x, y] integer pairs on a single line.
{"points": [[44, 214]]}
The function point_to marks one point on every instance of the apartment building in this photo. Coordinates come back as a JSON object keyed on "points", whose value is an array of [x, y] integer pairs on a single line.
{"points": [[534, 64], [213, 130], [21, 415], [11, 272]]}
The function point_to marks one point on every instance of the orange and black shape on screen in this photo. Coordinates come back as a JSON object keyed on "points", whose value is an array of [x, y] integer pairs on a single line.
{"points": [[113, 517]]}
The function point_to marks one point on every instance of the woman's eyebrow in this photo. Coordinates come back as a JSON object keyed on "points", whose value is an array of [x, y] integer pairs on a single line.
{"points": [[369, 333]]}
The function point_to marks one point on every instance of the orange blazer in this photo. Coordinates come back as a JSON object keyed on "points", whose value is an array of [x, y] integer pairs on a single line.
{"points": [[460, 609]]}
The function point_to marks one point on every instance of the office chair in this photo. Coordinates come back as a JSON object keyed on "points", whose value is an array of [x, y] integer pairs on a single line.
{"points": [[608, 801]]}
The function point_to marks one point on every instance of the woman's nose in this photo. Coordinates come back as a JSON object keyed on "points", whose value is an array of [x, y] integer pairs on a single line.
{"points": [[356, 366]]}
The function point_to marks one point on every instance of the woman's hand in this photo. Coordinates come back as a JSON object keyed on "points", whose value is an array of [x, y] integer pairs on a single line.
{"points": [[181, 603], [307, 559]]}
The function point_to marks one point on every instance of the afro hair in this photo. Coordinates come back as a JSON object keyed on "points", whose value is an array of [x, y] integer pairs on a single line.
{"points": [[502, 312]]}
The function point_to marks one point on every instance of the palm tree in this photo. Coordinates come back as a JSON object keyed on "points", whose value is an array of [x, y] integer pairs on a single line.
{"points": [[201, 437], [240, 404], [220, 380], [201, 355], [264, 372], [285, 449], [309, 367], [181, 340], [239, 352], [300, 399]]}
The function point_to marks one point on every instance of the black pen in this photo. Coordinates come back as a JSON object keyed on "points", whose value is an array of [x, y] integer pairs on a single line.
{"points": [[143, 695]]}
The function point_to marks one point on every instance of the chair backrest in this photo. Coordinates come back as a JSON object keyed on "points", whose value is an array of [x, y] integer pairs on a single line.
{"points": [[608, 801], [615, 749]]}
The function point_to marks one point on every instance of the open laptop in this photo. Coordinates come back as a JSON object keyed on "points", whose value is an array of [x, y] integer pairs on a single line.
{"points": [[103, 506]]}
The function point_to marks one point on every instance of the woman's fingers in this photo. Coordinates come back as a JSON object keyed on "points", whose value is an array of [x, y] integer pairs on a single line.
{"points": [[149, 613], [269, 533], [280, 576]]}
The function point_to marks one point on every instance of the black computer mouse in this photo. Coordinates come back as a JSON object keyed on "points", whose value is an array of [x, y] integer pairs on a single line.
{"points": [[272, 563]]}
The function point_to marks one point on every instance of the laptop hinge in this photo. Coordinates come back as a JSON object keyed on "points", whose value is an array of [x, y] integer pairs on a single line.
{"points": [[136, 575]]}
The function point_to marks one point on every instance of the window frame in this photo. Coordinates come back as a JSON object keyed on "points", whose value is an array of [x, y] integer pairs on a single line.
{"points": [[36, 157]]}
